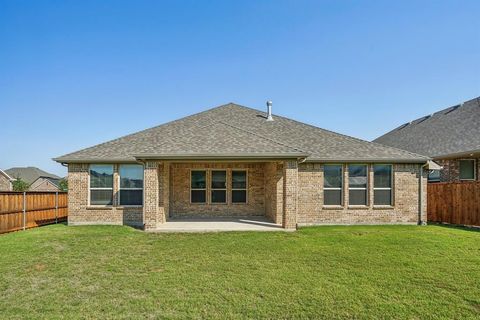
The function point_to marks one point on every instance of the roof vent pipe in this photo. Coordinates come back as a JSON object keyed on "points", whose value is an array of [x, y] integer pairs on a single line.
{"points": [[269, 111]]}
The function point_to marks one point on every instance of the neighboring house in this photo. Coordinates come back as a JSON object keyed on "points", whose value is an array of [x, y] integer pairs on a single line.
{"points": [[38, 179], [450, 136], [236, 161], [45, 184], [5, 181]]}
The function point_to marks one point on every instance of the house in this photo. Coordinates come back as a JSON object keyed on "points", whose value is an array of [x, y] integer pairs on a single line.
{"points": [[37, 179], [450, 136], [5, 181], [237, 161]]}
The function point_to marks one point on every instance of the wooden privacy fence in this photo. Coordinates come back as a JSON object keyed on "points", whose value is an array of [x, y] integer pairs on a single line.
{"points": [[454, 202], [23, 210]]}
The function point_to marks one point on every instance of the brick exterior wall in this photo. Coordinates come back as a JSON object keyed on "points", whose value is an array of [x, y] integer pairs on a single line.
{"points": [[167, 194], [290, 194], [79, 211], [451, 169], [406, 185], [5, 184], [274, 191], [181, 206]]}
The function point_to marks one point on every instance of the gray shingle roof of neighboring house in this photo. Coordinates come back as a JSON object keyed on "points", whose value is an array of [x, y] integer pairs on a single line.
{"points": [[452, 131], [234, 131], [29, 174]]}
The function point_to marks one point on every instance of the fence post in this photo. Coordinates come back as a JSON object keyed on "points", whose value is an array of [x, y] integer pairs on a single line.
{"points": [[56, 207], [24, 209]]}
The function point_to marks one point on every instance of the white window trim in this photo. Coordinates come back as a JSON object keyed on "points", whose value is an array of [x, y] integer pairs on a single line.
{"points": [[240, 189], [120, 187], [342, 174], [474, 169], [391, 184], [218, 189], [366, 187], [90, 188], [199, 189]]}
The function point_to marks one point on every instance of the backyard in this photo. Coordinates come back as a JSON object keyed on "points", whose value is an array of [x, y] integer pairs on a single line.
{"points": [[332, 272]]}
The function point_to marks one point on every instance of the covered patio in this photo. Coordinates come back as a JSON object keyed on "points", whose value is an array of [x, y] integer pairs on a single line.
{"points": [[220, 195]]}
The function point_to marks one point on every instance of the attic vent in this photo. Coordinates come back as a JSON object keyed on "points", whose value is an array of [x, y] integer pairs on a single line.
{"points": [[452, 109], [269, 111], [403, 126], [423, 119]]}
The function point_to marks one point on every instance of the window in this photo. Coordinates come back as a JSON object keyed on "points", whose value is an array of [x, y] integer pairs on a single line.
{"points": [[101, 184], [219, 186], [382, 184], [357, 184], [467, 169], [198, 186], [434, 176], [332, 184], [131, 185], [239, 186]]}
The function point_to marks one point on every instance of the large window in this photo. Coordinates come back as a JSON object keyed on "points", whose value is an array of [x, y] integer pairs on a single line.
{"points": [[239, 186], [382, 184], [198, 191], [101, 184], [467, 169], [332, 185], [219, 186], [131, 185], [357, 184]]}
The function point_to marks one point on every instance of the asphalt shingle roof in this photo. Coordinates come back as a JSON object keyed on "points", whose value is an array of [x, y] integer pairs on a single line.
{"points": [[29, 174], [454, 130], [238, 130]]}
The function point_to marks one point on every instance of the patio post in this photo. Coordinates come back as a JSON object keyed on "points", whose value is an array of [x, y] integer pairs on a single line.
{"points": [[290, 185]]}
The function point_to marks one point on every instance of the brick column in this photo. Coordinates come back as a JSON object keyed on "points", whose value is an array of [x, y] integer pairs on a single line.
{"points": [[290, 185], [151, 193], [164, 191]]}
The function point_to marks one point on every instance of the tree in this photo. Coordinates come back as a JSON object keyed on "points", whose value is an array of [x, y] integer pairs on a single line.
{"points": [[63, 185], [20, 185]]}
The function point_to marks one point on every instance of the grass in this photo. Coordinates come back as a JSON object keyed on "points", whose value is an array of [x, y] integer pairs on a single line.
{"points": [[319, 272]]}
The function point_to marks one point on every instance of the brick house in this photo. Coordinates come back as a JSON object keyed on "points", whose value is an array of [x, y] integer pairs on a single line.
{"points": [[237, 161], [451, 137]]}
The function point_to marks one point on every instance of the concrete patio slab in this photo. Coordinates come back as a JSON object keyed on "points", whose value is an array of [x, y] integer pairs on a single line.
{"points": [[220, 224]]}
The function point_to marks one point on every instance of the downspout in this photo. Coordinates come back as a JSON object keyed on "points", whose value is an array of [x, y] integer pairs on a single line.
{"points": [[420, 197]]}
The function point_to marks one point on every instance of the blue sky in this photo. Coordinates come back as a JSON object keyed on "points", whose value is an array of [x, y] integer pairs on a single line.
{"points": [[77, 73]]}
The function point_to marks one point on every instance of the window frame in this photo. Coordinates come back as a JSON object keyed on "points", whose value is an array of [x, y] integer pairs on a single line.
{"points": [[239, 189], [342, 188], [119, 179], [218, 189], [392, 201], [367, 172], [474, 169], [199, 189], [96, 188]]}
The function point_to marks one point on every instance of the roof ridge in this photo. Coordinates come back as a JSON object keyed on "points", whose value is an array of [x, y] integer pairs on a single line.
{"points": [[263, 137]]}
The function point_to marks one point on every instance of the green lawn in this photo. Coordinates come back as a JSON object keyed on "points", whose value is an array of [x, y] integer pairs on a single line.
{"points": [[330, 272]]}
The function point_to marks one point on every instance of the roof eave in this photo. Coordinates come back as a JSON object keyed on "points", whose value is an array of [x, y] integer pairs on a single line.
{"points": [[458, 154], [223, 156], [94, 160], [193, 156], [368, 160]]}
